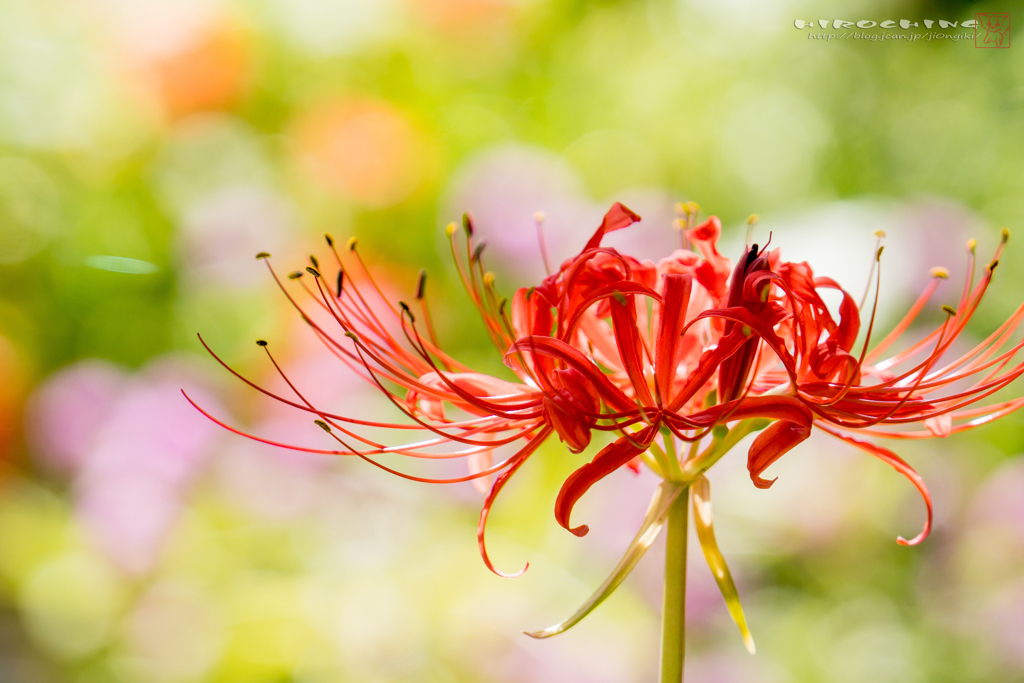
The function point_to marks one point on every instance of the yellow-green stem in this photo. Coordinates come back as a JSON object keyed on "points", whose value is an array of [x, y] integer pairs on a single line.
{"points": [[673, 617]]}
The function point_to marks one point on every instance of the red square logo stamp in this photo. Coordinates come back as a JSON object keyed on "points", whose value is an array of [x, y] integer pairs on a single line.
{"points": [[992, 30]]}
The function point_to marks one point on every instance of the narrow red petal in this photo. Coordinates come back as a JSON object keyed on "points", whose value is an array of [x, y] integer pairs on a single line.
{"points": [[499, 483], [618, 217], [901, 466], [610, 458]]}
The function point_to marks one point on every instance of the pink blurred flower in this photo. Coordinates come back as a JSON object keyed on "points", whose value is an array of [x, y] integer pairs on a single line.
{"points": [[129, 447]]}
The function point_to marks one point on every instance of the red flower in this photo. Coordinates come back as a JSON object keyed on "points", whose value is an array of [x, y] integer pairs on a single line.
{"points": [[689, 350]]}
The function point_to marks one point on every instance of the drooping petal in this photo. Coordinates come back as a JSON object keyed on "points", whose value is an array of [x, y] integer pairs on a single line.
{"points": [[775, 441], [706, 533], [521, 457], [611, 458], [654, 520], [901, 466]]}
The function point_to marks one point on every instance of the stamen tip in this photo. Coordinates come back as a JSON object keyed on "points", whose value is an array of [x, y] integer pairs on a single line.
{"points": [[972, 244], [992, 266], [295, 275], [352, 241], [949, 309], [489, 279], [312, 271], [316, 264], [878, 254], [352, 335], [479, 250], [261, 342], [939, 272], [330, 239], [405, 309], [879, 234], [421, 285], [450, 229], [467, 223], [263, 255], [753, 219], [539, 216], [322, 425], [1005, 235]]}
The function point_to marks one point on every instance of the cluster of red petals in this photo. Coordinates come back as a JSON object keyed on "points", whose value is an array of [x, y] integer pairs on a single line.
{"points": [[654, 353]]}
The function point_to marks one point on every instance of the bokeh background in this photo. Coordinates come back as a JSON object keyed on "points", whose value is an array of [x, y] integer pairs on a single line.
{"points": [[149, 149]]}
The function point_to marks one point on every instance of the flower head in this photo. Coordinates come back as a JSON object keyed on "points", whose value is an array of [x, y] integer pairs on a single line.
{"points": [[679, 360]]}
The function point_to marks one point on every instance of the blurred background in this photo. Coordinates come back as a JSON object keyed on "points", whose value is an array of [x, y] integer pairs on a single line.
{"points": [[149, 149]]}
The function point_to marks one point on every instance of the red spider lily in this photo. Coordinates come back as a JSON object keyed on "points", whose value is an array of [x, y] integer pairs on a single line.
{"points": [[687, 351]]}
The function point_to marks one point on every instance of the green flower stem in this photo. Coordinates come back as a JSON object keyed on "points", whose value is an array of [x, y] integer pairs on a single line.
{"points": [[673, 618]]}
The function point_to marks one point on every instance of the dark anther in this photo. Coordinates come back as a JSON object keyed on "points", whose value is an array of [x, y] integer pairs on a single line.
{"points": [[421, 285], [479, 250]]}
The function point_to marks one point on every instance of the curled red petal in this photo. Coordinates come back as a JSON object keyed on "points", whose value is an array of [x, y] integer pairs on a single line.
{"points": [[901, 466], [775, 441], [575, 359], [522, 456], [610, 458], [618, 217]]}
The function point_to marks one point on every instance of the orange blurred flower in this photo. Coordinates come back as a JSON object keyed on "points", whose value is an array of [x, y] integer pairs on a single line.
{"points": [[365, 150]]}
